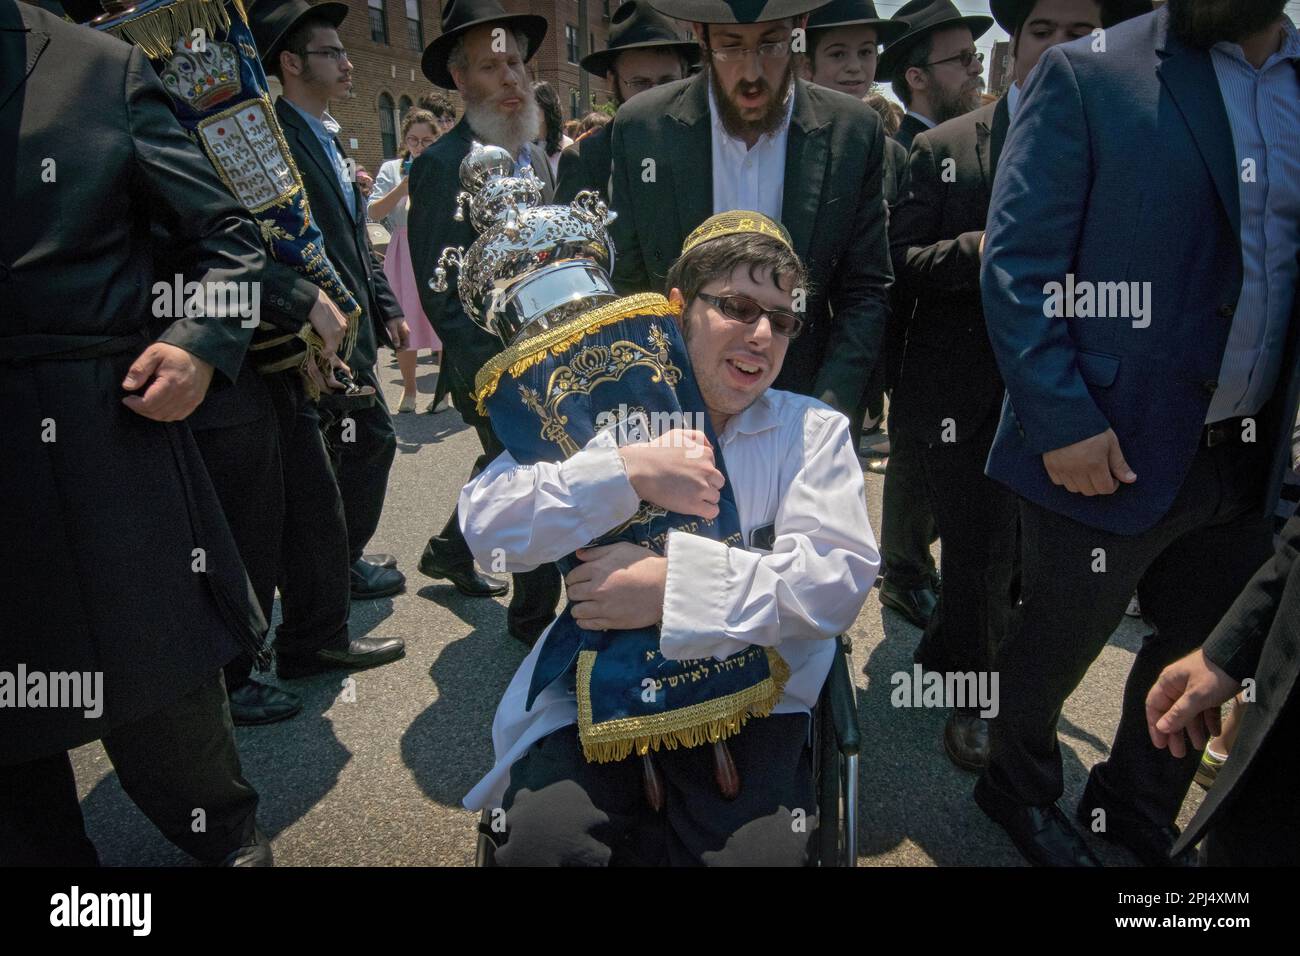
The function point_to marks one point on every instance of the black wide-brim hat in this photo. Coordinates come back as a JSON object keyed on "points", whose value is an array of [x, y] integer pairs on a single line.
{"points": [[857, 13], [461, 16], [638, 26], [1011, 14], [734, 11], [82, 11], [271, 21], [923, 18]]}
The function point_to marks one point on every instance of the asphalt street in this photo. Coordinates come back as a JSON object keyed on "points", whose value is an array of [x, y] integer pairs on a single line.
{"points": [[377, 780]]}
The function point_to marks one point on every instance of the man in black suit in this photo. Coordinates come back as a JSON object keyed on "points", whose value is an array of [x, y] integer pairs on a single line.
{"points": [[481, 53], [644, 52], [299, 43], [128, 583], [934, 68], [908, 576], [746, 134], [949, 391], [1250, 817]]}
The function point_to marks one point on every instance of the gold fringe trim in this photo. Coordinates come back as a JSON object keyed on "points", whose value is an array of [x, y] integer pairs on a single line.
{"points": [[702, 723], [156, 31], [517, 359]]}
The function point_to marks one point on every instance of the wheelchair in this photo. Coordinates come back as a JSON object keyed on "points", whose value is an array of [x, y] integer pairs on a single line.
{"points": [[836, 742]]}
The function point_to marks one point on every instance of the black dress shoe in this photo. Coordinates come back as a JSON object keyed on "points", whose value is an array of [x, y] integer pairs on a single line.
{"points": [[966, 739], [257, 853], [380, 560], [916, 605], [466, 578], [361, 653], [374, 581], [1149, 842], [1043, 835], [256, 703]]}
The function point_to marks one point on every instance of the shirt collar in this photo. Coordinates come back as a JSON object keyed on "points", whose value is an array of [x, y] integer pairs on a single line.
{"points": [[1013, 99], [721, 130], [1290, 49], [929, 123], [321, 126], [758, 417]]}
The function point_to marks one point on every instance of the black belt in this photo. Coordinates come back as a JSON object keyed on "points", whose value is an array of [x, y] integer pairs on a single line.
{"points": [[49, 347], [1216, 433]]}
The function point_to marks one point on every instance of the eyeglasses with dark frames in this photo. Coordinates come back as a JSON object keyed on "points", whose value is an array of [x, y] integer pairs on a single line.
{"points": [[765, 51], [966, 56], [743, 309]]}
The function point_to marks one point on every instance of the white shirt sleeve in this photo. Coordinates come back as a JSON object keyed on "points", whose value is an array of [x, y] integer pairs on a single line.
{"points": [[517, 517], [811, 585], [390, 174]]}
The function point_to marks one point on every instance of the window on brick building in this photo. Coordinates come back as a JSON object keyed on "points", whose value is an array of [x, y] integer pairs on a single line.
{"points": [[403, 107], [574, 105], [414, 29], [378, 24], [387, 126], [571, 42]]}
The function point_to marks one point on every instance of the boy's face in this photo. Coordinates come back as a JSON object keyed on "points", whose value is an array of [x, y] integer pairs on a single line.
{"points": [[845, 60], [735, 363], [1051, 22]]}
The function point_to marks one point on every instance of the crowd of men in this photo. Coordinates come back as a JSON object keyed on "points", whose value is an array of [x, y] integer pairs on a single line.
{"points": [[1080, 298]]}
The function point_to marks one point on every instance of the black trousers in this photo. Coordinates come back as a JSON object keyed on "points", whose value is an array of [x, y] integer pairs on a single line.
{"points": [[362, 445], [245, 466], [177, 760], [315, 589], [1187, 571], [976, 519], [561, 810], [535, 593], [907, 522]]}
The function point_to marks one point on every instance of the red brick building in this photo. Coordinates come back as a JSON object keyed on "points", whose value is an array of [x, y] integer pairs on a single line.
{"points": [[386, 38]]}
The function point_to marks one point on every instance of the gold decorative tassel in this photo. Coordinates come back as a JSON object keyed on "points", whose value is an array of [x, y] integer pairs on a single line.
{"points": [[155, 32]]}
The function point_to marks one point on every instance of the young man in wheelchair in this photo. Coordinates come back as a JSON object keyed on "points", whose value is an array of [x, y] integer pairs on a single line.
{"points": [[807, 568]]}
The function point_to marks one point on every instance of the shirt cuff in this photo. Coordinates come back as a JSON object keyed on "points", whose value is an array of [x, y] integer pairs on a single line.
{"points": [[695, 616], [597, 477]]}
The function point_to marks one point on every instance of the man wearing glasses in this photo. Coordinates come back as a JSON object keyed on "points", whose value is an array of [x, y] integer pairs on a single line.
{"points": [[934, 67], [802, 580], [746, 134]]}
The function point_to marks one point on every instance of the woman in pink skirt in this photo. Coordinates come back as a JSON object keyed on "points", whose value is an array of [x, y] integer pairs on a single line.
{"points": [[390, 202]]}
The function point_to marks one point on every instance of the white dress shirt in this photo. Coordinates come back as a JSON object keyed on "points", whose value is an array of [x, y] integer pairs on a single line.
{"points": [[792, 465], [929, 123], [745, 178]]}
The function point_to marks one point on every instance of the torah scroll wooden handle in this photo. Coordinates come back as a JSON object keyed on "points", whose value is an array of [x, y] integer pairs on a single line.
{"points": [[653, 782]]}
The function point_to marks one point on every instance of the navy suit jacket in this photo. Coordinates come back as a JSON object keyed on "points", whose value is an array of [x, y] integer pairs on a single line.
{"points": [[1119, 167]]}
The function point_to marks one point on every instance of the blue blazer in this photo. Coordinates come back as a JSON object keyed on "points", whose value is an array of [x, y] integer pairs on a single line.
{"points": [[1119, 167]]}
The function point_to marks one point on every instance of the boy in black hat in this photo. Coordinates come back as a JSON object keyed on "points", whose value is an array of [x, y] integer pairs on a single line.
{"points": [[644, 52], [481, 53]]}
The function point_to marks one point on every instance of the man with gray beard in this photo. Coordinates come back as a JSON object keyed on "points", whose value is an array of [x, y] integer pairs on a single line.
{"points": [[481, 54]]}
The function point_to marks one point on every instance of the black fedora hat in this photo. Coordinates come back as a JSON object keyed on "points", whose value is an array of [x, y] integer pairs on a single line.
{"points": [[82, 11], [1011, 14], [734, 11], [638, 26], [856, 13], [923, 18], [272, 21], [461, 16]]}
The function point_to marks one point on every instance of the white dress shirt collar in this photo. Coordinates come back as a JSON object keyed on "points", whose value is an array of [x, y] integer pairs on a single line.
{"points": [[929, 123], [1013, 100], [746, 177]]}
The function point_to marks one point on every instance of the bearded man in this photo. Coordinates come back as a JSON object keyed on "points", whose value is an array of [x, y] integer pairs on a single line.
{"points": [[1146, 443], [481, 54], [745, 134]]}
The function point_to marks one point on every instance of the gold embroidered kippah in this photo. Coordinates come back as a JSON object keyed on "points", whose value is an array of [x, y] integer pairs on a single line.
{"points": [[734, 222]]}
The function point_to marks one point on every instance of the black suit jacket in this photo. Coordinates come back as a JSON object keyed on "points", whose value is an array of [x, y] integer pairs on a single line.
{"points": [[432, 227], [948, 370], [347, 244], [77, 269], [1260, 637], [585, 165], [832, 206], [907, 130]]}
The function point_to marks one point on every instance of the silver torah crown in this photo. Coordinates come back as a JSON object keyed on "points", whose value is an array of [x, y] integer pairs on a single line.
{"points": [[532, 266]]}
